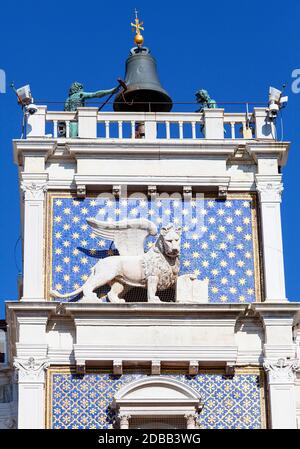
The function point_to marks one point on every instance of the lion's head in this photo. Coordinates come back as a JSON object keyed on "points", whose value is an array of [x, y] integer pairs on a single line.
{"points": [[169, 240]]}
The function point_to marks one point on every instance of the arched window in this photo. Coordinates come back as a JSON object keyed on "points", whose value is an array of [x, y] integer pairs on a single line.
{"points": [[157, 402]]}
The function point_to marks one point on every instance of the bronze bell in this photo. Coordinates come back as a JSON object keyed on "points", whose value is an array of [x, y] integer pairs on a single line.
{"points": [[144, 92]]}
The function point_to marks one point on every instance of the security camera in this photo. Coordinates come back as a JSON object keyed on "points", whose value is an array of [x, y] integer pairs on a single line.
{"points": [[31, 109], [276, 102], [273, 109]]}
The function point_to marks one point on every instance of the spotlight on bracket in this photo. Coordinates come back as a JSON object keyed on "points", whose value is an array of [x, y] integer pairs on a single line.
{"points": [[25, 100], [23, 94]]}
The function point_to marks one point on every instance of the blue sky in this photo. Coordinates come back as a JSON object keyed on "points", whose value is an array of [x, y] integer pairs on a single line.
{"points": [[234, 49]]}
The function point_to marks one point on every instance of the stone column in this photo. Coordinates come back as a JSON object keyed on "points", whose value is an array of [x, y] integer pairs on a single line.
{"points": [[190, 420], [31, 401], [281, 385], [124, 420], [269, 190], [33, 255]]}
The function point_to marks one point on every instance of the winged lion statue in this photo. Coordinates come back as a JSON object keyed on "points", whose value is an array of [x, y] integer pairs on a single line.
{"points": [[157, 269]]}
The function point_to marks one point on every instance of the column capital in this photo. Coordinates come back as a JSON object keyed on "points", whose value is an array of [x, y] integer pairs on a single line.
{"points": [[124, 420], [34, 191], [281, 371], [269, 188], [191, 420], [31, 370]]}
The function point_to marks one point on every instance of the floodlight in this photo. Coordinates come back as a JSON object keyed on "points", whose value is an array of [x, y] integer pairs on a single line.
{"points": [[24, 95], [25, 100], [274, 94]]}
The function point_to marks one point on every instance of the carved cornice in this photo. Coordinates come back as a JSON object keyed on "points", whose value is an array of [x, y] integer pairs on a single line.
{"points": [[282, 371], [31, 370], [34, 191], [27, 147], [261, 148]]}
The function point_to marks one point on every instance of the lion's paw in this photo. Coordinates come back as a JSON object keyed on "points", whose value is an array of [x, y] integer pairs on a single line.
{"points": [[90, 298], [115, 299], [154, 299]]}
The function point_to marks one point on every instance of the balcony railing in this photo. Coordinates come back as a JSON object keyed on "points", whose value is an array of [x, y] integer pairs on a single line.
{"points": [[89, 123]]}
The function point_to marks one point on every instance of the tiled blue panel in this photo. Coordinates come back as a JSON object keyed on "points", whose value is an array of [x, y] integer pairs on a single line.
{"points": [[84, 402], [217, 241]]}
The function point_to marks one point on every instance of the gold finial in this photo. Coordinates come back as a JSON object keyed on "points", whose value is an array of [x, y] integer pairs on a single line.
{"points": [[137, 27]]}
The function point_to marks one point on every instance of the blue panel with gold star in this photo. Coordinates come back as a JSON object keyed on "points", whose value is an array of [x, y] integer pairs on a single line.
{"points": [[216, 243], [85, 402]]}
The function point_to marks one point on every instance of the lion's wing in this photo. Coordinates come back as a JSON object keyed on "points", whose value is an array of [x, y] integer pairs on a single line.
{"points": [[128, 235]]}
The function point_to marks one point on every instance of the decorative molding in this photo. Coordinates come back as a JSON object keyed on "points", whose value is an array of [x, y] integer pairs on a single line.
{"points": [[282, 371], [152, 191], [136, 353], [187, 192], [191, 419], [124, 420], [269, 190], [193, 367], [32, 370], [223, 190], [117, 367], [229, 369], [34, 191], [116, 190], [155, 367], [141, 180], [81, 190]]}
